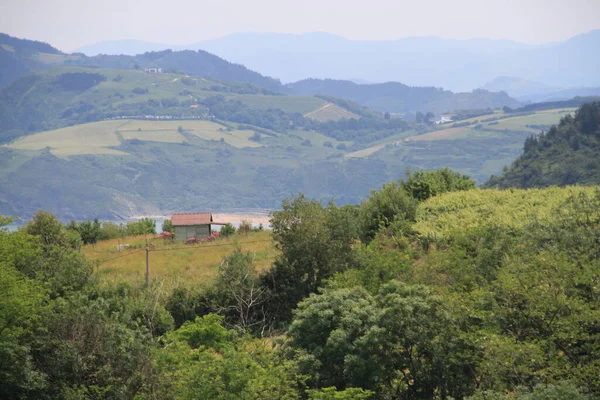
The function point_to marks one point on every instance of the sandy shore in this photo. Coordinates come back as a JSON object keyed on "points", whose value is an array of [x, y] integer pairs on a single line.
{"points": [[235, 217]]}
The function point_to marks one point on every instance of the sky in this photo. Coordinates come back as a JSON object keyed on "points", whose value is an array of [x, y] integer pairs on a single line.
{"points": [[69, 24]]}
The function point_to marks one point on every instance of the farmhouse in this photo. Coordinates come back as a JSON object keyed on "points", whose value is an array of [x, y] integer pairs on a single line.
{"points": [[154, 70], [193, 225]]}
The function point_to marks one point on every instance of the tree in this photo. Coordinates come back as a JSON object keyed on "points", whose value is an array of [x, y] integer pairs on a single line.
{"points": [[401, 343], [167, 226], [203, 360], [383, 207], [5, 220], [238, 280], [227, 230], [425, 184], [315, 243], [20, 311]]}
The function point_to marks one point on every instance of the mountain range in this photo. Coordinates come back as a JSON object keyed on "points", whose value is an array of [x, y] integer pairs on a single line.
{"points": [[391, 97], [458, 65]]}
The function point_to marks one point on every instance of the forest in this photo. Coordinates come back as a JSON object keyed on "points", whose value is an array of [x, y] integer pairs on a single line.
{"points": [[566, 154], [431, 288]]}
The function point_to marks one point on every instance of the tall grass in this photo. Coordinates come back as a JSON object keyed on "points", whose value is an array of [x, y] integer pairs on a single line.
{"points": [[172, 262]]}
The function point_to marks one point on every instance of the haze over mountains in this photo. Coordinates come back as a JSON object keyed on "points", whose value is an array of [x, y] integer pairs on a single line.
{"points": [[458, 65]]}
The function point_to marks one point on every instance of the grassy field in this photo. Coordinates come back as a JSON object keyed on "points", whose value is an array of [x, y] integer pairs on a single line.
{"points": [[173, 262], [98, 137], [330, 112], [92, 138], [526, 124]]}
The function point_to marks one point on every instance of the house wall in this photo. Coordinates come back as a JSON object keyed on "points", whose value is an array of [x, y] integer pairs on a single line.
{"points": [[190, 231]]}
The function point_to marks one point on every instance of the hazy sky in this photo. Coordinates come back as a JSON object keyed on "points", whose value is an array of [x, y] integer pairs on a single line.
{"points": [[68, 24]]}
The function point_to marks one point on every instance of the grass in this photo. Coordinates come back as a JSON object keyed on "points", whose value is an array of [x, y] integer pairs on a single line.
{"points": [[92, 138], [365, 152], [442, 217], [174, 262], [330, 112], [97, 137], [289, 104], [165, 136], [444, 134]]}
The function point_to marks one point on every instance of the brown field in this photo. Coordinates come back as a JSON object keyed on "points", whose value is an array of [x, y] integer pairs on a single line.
{"points": [[446, 134], [172, 262]]}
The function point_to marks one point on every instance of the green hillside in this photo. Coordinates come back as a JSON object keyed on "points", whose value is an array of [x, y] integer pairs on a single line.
{"points": [[395, 97], [19, 57], [131, 167], [72, 95], [565, 154]]}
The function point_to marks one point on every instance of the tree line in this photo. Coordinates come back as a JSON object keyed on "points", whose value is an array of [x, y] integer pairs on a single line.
{"points": [[390, 299]]}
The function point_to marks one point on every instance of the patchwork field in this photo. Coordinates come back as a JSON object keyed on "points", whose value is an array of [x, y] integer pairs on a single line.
{"points": [[100, 137], [445, 134], [92, 138], [172, 261], [527, 124], [365, 152], [330, 112]]}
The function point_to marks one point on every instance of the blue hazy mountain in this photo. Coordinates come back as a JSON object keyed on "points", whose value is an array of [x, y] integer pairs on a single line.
{"points": [[458, 65], [534, 92]]}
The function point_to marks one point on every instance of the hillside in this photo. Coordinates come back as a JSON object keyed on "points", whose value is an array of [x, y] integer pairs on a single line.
{"points": [[457, 65], [126, 167], [65, 96], [197, 63], [19, 57], [398, 98], [566, 154], [529, 91]]}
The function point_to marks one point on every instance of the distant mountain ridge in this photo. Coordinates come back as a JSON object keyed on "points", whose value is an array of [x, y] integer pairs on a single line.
{"points": [[391, 97], [399, 98], [415, 61], [528, 91], [19, 57]]}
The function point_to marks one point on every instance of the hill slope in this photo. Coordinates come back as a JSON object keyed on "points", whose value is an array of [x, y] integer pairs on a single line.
{"points": [[399, 98], [67, 96], [566, 154], [458, 65], [19, 57]]}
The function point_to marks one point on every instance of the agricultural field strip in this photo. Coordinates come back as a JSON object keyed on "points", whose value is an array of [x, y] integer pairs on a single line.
{"points": [[516, 123], [98, 137]]}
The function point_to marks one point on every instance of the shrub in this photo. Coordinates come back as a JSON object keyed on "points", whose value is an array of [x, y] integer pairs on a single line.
{"points": [[227, 230]]}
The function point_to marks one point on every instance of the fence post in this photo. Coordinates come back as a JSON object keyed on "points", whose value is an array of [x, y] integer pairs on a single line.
{"points": [[147, 267]]}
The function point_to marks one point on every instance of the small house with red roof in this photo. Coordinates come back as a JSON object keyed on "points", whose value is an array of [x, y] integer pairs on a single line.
{"points": [[193, 225]]}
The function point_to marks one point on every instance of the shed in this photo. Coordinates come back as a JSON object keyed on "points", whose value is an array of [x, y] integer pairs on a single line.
{"points": [[192, 225]]}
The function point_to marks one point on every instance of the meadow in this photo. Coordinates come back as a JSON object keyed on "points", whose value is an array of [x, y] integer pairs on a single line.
{"points": [[173, 263], [330, 112]]}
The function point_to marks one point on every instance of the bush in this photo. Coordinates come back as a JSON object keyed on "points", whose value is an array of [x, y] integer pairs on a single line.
{"points": [[138, 90], [227, 230], [328, 144]]}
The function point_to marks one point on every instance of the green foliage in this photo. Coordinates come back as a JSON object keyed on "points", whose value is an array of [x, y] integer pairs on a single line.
{"points": [[385, 206], [331, 393], [425, 184], [566, 154], [227, 230], [5, 220], [20, 311], [241, 291], [315, 243], [142, 227], [202, 360], [167, 226], [352, 339]]}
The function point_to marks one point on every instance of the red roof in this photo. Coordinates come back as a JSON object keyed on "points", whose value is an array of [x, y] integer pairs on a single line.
{"points": [[202, 218]]}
